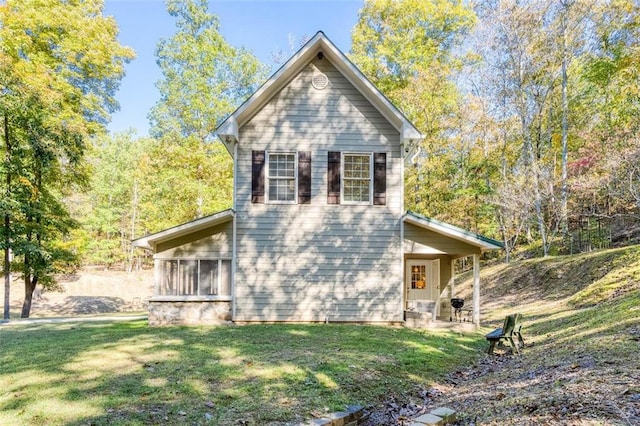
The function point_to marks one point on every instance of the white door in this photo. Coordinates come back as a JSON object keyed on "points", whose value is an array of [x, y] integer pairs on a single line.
{"points": [[422, 279]]}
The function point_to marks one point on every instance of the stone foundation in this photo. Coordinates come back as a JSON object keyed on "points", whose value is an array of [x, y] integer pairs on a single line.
{"points": [[189, 313]]}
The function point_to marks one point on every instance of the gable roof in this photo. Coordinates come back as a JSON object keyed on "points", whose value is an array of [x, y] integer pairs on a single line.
{"points": [[451, 231], [229, 129], [152, 240]]}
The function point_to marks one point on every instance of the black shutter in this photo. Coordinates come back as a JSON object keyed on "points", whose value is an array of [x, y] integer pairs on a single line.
{"points": [[333, 177], [257, 176], [380, 179], [304, 177]]}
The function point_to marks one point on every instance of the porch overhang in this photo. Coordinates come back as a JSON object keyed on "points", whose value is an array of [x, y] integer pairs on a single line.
{"points": [[425, 237], [150, 242], [474, 241]]}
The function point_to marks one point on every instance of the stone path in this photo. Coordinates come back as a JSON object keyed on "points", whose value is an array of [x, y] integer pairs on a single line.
{"points": [[353, 415], [440, 417]]}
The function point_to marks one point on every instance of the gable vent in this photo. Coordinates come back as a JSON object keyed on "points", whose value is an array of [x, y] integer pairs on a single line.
{"points": [[319, 81]]}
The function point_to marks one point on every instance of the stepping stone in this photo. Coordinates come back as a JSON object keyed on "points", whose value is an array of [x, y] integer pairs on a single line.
{"points": [[447, 414], [427, 419]]}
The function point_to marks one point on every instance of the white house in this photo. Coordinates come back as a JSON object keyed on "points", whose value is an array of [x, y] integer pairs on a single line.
{"points": [[317, 231]]}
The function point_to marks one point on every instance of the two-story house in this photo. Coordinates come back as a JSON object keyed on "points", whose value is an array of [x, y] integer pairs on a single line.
{"points": [[317, 231]]}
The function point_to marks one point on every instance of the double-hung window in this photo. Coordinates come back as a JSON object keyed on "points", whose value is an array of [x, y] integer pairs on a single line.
{"points": [[357, 179], [281, 176]]}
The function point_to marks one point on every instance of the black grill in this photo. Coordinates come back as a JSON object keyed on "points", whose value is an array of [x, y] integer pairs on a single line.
{"points": [[457, 305]]}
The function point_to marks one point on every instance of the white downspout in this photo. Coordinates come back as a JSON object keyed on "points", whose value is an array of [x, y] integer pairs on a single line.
{"points": [[234, 247], [402, 210]]}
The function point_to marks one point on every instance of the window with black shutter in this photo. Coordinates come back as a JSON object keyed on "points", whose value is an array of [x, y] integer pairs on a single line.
{"points": [[281, 177], [380, 179], [304, 177], [333, 177], [357, 178], [257, 176]]}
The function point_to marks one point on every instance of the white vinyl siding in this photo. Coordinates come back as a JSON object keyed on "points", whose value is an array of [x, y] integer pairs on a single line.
{"points": [[423, 241], [282, 175], [318, 261], [357, 178], [210, 243]]}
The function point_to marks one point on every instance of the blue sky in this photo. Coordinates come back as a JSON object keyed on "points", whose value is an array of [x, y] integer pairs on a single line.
{"points": [[262, 26]]}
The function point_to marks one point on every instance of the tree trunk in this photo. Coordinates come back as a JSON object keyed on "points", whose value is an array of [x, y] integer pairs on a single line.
{"points": [[531, 163], [32, 266], [7, 277], [565, 125], [133, 223], [7, 223], [29, 287], [505, 239]]}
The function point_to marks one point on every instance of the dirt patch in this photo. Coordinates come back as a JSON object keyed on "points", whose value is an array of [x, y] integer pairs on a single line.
{"points": [[88, 292], [520, 390]]}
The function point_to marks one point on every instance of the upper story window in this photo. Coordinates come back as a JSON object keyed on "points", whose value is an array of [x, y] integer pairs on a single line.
{"points": [[356, 178], [285, 175], [282, 177]]}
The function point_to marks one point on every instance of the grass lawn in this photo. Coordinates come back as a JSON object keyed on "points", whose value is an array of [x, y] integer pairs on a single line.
{"points": [[128, 373], [581, 364]]}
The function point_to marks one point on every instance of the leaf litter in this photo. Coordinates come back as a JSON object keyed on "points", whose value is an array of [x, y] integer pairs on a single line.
{"points": [[527, 389]]}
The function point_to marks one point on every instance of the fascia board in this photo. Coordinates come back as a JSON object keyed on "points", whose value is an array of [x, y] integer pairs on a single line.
{"points": [[452, 233], [277, 81], [230, 127], [407, 130], [150, 241]]}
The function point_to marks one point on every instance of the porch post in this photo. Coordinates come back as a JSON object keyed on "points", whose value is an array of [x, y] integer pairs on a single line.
{"points": [[476, 290], [452, 281], [156, 276]]}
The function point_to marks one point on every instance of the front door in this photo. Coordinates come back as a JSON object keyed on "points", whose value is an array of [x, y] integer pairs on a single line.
{"points": [[422, 279]]}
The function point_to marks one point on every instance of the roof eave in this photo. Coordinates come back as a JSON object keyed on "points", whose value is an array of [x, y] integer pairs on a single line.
{"points": [[228, 131], [408, 132], [149, 242], [483, 243]]}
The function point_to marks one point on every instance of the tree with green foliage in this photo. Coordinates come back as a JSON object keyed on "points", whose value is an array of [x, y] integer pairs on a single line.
{"points": [[110, 212], [604, 175], [528, 53], [204, 80], [408, 50], [60, 65]]}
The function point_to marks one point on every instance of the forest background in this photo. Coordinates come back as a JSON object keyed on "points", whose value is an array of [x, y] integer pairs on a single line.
{"points": [[530, 111]]}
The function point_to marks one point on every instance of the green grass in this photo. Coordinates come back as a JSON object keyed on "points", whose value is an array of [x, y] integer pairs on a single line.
{"points": [[582, 329], [580, 312], [128, 373], [583, 298]]}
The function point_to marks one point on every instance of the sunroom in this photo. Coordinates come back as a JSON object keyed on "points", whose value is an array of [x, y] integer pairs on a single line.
{"points": [[192, 271]]}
